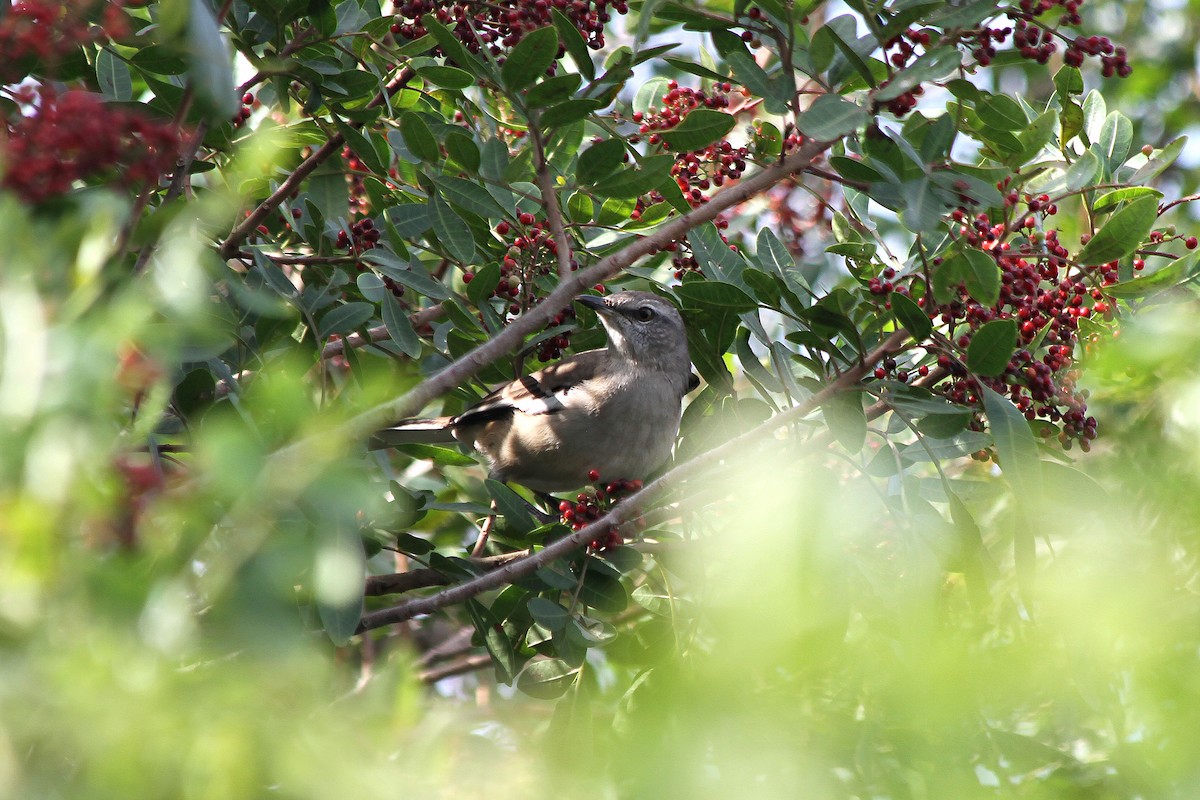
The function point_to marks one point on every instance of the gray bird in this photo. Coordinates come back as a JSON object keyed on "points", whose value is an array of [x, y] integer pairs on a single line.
{"points": [[615, 410]]}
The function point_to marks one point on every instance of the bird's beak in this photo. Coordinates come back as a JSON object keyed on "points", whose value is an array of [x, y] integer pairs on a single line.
{"points": [[595, 303]]}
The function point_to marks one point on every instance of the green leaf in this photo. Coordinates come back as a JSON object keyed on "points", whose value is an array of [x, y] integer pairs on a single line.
{"points": [[1159, 162], [931, 66], [210, 64], [847, 420], [344, 318], [549, 614], [339, 573], [981, 275], [410, 219], [1001, 112], [653, 171], [831, 117], [416, 279], [599, 161], [446, 77], [510, 505], [910, 315], [112, 73], [1015, 445], [469, 196], [463, 150], [362, 148], [1109, 199], [1123, 232], [573, 40], [1068, 81], [568, 112], [1175, 273], [530, 58], [504, 658], [452, 47], [553, 90], [399, 327], [603, 592], [1116, 137], [546, 678], [580, 208], [699, 129], [452, 232], [419, 138], [715, 295], [991, 347], [444, 456]]}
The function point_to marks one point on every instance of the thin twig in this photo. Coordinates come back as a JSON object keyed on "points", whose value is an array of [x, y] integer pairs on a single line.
{"points": [[554, 216], [399, 582], [627, 508]]}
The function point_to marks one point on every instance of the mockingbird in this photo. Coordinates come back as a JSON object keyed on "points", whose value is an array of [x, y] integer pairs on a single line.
{"points": [[614, 410]]}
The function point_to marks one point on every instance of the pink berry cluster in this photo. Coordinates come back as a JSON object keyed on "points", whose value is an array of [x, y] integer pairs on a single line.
{"points": [[76, 136], [499, 25], [592, 505]]}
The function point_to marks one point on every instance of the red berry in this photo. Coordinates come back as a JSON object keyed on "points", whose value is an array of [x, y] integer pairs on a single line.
{"points": [[526, 218], [593, 475], [1191, 243], [502, 228]]}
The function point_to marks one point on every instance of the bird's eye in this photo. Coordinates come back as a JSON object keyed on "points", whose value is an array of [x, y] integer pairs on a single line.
{"points": [[645, 314]]}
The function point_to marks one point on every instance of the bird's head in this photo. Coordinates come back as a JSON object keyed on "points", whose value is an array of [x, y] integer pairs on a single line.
{"points": [[643, 328]]}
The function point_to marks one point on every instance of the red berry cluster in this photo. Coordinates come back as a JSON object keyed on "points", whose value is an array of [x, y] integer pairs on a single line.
{"points": [[696, 172], [75, 136], [363, 235], [48, 32], [591, 506], [499, 25], [1043, 292], [1037, 41], [904, 48], [249, 103]]}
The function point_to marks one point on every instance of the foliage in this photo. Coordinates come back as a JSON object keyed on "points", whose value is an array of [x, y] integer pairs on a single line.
{"points": [[929, 530]]}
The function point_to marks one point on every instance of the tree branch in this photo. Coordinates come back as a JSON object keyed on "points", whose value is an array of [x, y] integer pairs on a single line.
{"points": [[627, 508]]}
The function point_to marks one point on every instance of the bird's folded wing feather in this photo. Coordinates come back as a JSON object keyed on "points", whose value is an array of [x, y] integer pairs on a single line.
{"points": [[543, 392], [414, 431]]}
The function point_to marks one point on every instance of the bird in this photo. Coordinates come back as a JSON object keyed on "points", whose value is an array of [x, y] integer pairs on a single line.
{"points": [[610, 413]]}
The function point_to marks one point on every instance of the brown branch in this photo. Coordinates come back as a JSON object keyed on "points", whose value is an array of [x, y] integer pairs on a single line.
{"points": [[380, 332], [400, 582], [459, 667], [627, 508], [247, 226]]}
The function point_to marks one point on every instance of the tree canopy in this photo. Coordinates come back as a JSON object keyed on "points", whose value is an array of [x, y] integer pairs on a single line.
{"points": [[930, 527]]}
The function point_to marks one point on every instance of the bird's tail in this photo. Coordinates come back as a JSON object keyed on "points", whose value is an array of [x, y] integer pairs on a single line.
{"points": [[414, 431]]}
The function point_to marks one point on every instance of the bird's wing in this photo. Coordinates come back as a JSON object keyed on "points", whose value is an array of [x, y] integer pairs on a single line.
{"points": [[413, 431], [542, 392]]}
